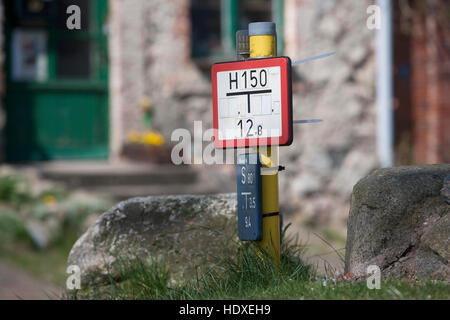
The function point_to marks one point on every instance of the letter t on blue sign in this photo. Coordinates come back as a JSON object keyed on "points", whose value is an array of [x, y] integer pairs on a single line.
{"points": [[248, 171]]}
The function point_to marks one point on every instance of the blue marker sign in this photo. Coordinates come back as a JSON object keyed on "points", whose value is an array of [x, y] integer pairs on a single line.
{"points": [[248, 172]]}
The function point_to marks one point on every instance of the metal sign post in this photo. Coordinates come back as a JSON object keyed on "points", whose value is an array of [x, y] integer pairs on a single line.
{"points": [[263, 43], [252, 108]]}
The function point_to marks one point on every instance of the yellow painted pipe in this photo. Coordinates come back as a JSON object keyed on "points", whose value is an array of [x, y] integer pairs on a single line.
{"points": [[265, 45]]}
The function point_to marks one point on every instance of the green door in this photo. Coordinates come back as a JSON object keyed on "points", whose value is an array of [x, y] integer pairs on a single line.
{"points": [[57, 80]]}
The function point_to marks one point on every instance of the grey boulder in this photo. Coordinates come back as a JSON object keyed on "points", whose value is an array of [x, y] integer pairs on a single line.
{"points": [[445, 191], [187, 232], [400, 222]]}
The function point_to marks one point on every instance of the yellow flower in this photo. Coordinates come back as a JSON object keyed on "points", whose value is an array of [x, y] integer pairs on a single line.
{"points": [[149, 138], [152, 138], [49, 200]]}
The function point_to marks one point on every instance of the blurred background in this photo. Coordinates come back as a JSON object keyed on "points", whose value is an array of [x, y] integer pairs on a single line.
{"points": [[86, 115]]}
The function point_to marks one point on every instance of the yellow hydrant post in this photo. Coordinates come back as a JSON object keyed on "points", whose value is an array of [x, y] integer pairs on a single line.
{"points": [[263, 43]]}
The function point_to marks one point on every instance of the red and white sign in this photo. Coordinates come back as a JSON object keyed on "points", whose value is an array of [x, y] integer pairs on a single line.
{"points": [[252, 103]]}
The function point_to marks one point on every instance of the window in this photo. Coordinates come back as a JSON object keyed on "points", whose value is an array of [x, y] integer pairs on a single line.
{"points": [[215, 22], [43, 49], [73, 59], [48, 13], [206, 18]]}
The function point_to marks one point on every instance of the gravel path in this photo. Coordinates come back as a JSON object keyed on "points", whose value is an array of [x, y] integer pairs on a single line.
{"points": [[15, 284]]}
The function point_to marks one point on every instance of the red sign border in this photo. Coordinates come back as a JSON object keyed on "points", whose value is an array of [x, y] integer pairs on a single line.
{"points": [[286, 101]]}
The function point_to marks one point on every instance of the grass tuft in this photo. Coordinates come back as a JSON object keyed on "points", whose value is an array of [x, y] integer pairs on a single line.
{"points": [[251, 274], [246, 274]]}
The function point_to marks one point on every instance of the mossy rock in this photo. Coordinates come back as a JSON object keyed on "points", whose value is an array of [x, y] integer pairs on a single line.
{"points": [[400, 221], [187, 232]]}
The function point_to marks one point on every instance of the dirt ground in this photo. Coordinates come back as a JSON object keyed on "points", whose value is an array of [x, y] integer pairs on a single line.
{"points": [[16, 284], [326, 257]]}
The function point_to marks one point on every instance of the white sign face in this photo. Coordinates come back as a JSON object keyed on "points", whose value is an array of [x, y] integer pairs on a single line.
{"points": [[249, 103]]}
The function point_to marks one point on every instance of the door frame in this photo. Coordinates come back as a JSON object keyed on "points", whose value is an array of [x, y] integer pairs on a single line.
{"points": [[98, 82]]}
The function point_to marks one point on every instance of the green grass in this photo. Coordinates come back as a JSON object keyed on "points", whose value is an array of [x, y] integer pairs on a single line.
{"points": [[14, 189], [252, 275], [12, 227]]}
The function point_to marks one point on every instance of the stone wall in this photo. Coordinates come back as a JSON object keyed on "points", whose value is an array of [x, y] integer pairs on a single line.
{"points": [[175, 84], [126, 65], [325, 160], [150, 57]]}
